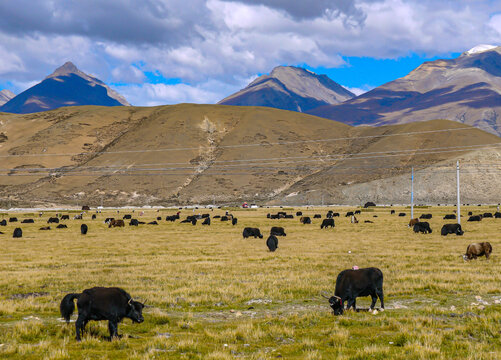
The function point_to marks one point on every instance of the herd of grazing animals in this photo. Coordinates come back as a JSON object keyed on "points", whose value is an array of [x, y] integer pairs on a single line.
{"points": [[114, 304]]}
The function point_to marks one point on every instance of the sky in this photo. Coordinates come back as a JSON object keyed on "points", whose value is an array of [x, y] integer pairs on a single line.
{"points": [[171, 51]]}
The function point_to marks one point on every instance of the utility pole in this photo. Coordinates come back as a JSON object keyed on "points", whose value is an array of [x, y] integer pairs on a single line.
{"points": [[412, 193], [459, 205]]}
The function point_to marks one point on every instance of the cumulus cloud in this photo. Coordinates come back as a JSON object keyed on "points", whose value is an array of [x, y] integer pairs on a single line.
{"points": [[221, 42]]}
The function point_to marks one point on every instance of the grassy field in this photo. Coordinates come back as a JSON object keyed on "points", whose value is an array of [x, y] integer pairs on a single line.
{"points": [[217, 296]]}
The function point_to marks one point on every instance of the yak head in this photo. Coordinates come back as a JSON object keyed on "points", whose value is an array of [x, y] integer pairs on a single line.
{"points": [[336, 304], [135, 311]]}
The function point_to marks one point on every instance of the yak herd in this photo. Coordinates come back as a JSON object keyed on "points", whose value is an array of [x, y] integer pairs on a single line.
{"points": [[114, 304]]}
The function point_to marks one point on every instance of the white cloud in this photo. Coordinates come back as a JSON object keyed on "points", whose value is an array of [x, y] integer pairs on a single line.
{"points": [[224, 41]]}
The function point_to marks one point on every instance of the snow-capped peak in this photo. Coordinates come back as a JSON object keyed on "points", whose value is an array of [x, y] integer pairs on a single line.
{"points": [[479, 49]]}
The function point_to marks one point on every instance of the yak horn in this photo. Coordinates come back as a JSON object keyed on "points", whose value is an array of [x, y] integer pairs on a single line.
{"points": [[337, 297], [130, 300], [323, 295]]}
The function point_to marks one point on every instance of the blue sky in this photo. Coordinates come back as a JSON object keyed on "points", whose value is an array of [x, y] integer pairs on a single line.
{"points": [[169, 51]]}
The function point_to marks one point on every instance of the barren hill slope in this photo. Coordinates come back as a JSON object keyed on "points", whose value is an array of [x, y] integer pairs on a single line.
{"points": [[203, 153]]}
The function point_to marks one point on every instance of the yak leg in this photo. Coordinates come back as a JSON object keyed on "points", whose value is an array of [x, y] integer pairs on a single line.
{"points": [[113, 328], [351, 303], [380, 295], [80, 324], [374, 299]]}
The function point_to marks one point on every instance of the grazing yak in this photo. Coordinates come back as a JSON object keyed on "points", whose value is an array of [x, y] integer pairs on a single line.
{"points": [[101, 303], [289, 216], [108, 220], [497, 215], [299, 213], [206, 221], [369, 222], [277, 231], [13, 219], [413, 222], [470, 213], [159, 218], [327, 223], [116, 223], [392, 212], [61, 226], [425, 216], [475, 218], [93, 217], [349, 213], [450, 217], [351, 284], [317, 216], [478, 249], [487, 215], [329, 215], [255, 232], [234, 221], [127, 217], [154, 222], [225, 218], [53, 220], [422, 227], [451, 229], [401, 214], [357, 212], [305, 220], [18, 233], [272, 243], [368, 204], [133, 222], [3, 222], [27, 221], [335, 215], [83, 229], [65, 217]]}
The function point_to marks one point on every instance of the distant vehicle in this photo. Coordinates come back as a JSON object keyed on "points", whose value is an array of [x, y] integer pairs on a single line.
{"points": [[254, 206], [245, 205]]}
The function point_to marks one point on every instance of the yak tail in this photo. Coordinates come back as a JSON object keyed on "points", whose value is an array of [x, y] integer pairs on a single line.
{"points": [[67, 306]]}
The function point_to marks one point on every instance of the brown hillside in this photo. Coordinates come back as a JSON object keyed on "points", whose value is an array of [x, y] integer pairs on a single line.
{"points": [[200, 153]]}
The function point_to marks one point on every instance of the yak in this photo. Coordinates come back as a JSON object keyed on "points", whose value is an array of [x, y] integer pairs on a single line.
{"points": [[317, 216], [351, 284], [413, 222], [13, 219], [478, 249], [133, 222], [3, 222], [116, 223], [357, 212], [27, 221], [65, 217], [487, 215], [234, 221], [18, 233], [401, 214], [349, 213], [277, 231], [475, 218], [450, 217], [392, 212], [206, 221], [327, 223], [305, 220], [451, 229], [497, 215], [127, 217], [255, 232], [154, 222], [61, 226], [93, 217], [83, 229], [423, 227], [272, 243], [53, 220], [299, 213], [101, 303], [425, 216]]}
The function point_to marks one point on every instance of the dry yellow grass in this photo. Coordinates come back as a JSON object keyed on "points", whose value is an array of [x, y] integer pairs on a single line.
{"points": [[217, 296]]}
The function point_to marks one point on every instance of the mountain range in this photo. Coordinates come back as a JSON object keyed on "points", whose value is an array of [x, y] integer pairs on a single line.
{"points": [[290, 88], [466, 89], [66, 86]]}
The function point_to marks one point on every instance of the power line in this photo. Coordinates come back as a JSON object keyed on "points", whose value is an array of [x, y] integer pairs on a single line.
{"points": [[235, 146], [349, 156]]}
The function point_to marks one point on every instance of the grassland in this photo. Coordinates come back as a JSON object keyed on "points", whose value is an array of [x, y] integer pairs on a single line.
{"points": [[217, 296]]}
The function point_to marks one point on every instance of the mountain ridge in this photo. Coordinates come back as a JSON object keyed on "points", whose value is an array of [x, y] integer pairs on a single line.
{"points": [[66, 86], [289, 88]]}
